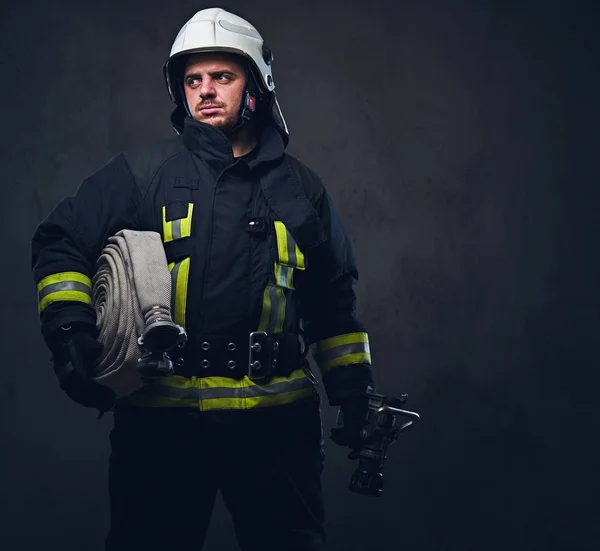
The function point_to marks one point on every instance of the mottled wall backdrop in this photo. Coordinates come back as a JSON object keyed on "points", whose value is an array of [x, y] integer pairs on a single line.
{"points": [[459, 140]]}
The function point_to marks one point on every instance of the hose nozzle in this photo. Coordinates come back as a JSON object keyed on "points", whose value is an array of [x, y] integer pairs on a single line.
{"points": [[160, 335]]}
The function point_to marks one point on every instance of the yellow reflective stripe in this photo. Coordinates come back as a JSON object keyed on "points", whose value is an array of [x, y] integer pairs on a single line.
{"points": [[167, 227], [213, 393], [281, 302], [272, 316], [300, 259], [289, 254], [282, 246], [245, 382], [169, 391], [176, 229], [266, 310], [340, 340], [180, 273], [181, 292], [186, 223], [257, 401], [295, 254], [75, 296], [64, 277], [348, 349], [64, 286]]}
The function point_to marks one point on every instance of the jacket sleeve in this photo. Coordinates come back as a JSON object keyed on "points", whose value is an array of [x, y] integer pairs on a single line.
{"points": [[338, 340], [66, 245]]}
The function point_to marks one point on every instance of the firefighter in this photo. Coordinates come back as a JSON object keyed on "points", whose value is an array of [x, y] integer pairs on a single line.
{"points": [[262, 271]]}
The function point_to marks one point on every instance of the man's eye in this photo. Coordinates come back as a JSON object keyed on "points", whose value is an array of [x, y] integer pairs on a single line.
{"points": [[192, 81]]}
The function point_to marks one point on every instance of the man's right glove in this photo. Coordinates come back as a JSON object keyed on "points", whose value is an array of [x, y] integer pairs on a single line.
{"points": [[354, 413], [74, 351]]}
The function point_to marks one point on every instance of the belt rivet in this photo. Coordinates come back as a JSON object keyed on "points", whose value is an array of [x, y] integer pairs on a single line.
{"points": [[256, 347], [180, 361], [205, 345], [231, 364], [231, 347], [205, 364]]}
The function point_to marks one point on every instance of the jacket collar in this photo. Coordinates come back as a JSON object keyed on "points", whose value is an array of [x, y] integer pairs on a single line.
{"points": [[213, 146]]}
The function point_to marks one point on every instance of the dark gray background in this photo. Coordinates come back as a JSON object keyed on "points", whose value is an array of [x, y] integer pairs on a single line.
{"points": [[459, 140]]}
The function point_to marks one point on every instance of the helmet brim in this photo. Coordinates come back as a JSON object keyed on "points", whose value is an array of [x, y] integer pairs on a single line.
{"points": [[176, 59]]}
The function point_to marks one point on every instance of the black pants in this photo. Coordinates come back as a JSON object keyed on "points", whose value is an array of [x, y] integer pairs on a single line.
{"points": [[166, 466]]}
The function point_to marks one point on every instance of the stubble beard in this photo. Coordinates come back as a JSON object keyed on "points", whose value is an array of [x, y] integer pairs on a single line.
{"points": [[223, 121]]}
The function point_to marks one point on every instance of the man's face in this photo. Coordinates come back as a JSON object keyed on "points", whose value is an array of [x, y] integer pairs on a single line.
{"points": [[213, 84]]}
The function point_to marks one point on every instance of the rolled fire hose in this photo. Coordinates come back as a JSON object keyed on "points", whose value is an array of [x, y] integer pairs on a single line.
{"points": [[131, 293]]}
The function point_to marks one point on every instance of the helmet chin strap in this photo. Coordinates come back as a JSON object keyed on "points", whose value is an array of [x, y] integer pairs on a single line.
{"points": [[249, 101]]}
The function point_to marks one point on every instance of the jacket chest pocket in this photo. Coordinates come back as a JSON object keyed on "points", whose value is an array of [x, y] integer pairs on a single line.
{"points": [[176, 231], [289, 257]]}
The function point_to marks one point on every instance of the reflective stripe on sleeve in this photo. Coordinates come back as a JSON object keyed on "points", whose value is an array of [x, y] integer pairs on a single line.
{"points": [[64, 286], [288, 252], [348, 349]]}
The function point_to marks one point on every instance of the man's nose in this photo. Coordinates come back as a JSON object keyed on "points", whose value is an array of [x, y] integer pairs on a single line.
{"points": [[207, 88]]}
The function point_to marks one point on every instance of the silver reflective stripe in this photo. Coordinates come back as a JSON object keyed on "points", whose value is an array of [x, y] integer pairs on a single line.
{"points": [[286, 276], [278, 388], [222, 392], [64, 286], [250, 391], [176, 229], [256, 390], [339, 351]]}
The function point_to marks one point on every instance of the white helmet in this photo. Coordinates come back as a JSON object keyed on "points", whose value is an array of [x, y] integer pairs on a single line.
{"points": [[217, 30]]}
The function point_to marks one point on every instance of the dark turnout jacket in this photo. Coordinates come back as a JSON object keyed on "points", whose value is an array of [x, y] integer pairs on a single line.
{"points": [[253, 244]]}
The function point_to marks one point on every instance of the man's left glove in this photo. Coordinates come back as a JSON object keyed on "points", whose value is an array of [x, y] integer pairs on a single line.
{"points": [[354, 412], [74, 352]]}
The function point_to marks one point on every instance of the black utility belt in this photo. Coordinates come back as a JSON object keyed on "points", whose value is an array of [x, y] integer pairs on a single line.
{"points": [[259, 355]]}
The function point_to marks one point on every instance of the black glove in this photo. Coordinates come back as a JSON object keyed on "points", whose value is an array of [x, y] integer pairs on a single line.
{"points": [[354, 412], [75, 350]]}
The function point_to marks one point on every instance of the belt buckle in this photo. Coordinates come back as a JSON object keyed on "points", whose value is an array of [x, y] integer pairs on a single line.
{"points": [[262, 355]]}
